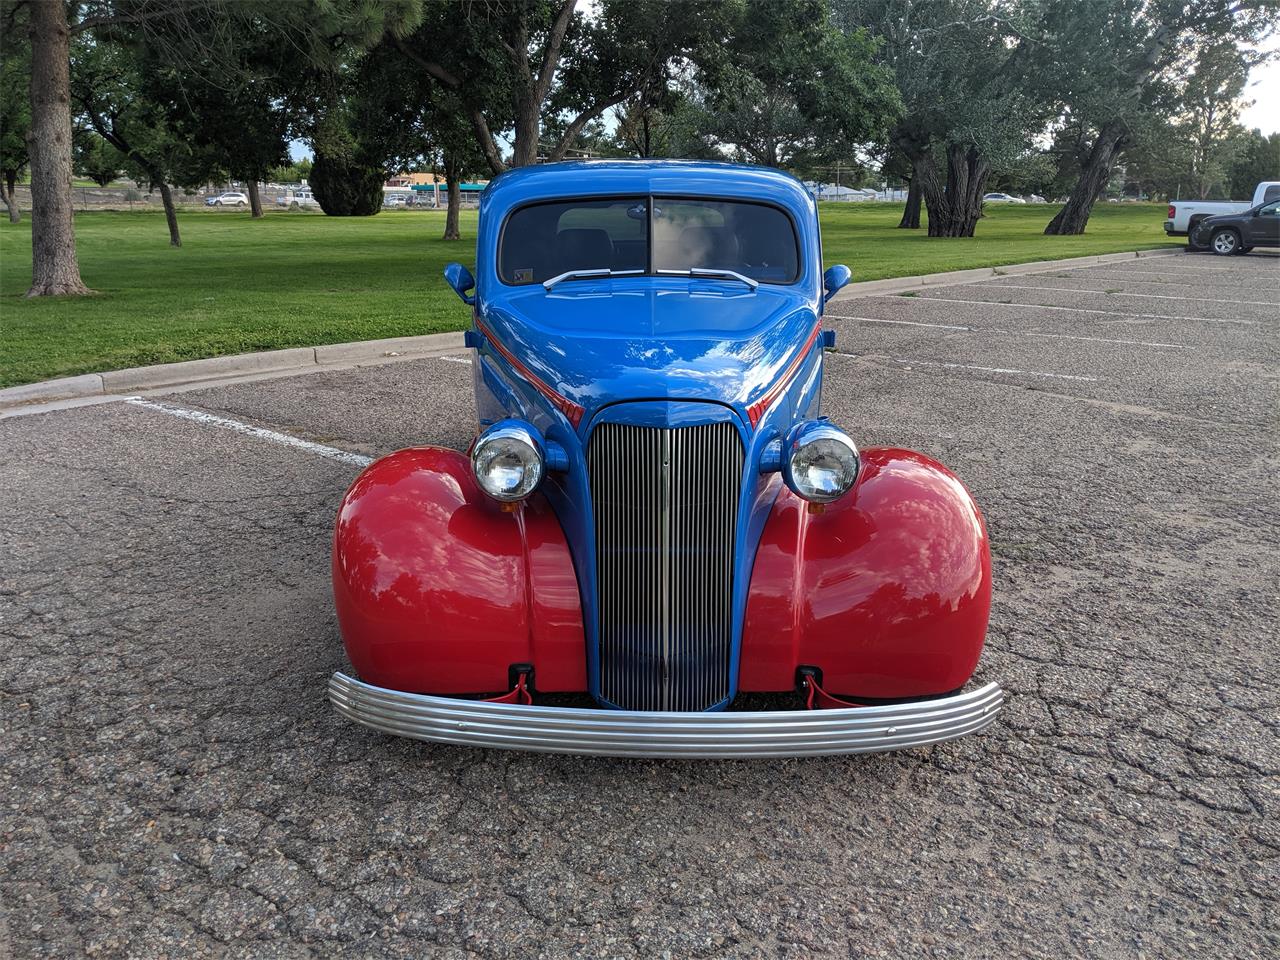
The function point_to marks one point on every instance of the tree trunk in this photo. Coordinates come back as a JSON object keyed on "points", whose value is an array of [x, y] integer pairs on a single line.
{"points": [[451, 231], [170, 214], [911, 212], [255, 199], [954, 209], [11, 201], [1094, 174], [54, 268], [524, 147]]}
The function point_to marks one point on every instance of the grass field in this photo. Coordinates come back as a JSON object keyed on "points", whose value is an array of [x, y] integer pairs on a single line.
{"points": [[297, 279]]}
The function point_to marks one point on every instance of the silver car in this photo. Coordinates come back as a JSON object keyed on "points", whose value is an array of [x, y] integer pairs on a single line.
{"points": [[227, 200]]}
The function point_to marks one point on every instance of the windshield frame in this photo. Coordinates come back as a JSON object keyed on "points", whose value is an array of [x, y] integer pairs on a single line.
{"points": [[650, 199]]}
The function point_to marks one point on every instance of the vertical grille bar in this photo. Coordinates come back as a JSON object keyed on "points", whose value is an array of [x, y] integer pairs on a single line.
{"points": [[666, 514]]}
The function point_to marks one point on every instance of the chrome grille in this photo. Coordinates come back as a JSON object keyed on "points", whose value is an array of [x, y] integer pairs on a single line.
{"points": [[666, 511]]}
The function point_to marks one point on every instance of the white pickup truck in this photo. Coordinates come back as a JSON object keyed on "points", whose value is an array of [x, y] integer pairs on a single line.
{"points": [[1184, 215]]}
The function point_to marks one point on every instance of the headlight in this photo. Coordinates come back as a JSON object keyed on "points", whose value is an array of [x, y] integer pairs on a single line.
{"points": [[819, 461], [508, 460]]}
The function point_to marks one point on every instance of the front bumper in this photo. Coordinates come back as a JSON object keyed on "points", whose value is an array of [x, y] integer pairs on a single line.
{"points": [[783, 733]]}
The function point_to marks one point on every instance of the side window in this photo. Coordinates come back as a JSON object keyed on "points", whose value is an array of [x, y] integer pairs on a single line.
{"points": [[1271, 209], [1272, 193]]}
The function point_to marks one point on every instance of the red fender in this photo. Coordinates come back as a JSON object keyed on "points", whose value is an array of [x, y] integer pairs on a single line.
{"points": [[887, 590], [439, 590]]}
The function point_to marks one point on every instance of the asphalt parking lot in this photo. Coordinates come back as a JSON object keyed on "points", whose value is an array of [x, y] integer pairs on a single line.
{"points": [[175, 784]]}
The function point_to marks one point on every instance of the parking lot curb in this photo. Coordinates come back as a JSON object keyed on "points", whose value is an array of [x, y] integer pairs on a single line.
{"points": [[164, 375], [875, 288]]}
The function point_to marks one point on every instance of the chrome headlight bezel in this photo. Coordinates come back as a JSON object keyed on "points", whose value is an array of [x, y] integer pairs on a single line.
{"points": [[835, 442], [509, 438]]}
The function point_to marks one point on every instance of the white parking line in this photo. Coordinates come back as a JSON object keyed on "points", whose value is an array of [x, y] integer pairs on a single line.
{"points": [[1117, 293], [466, 360], [1025, 333], [1227, 277], [972, 366], [906, 323], [209, 419], [1107, 313], [1132, 343], [1224, 267]]}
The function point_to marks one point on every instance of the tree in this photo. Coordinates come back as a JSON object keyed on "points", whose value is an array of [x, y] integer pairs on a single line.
{"points": [[233, 109], [296, 171], [897, 165], [15, 119], [1256, 158], [108, 90], [1112, 56], [94, 158], [504, 58], [403, 117], [663, 121], [314, 32], [54, 268], [1211, 101], [968, 74], [785, 90]]}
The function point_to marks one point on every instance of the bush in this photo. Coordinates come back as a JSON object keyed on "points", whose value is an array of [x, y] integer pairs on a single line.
{"points": [[344, 188]]}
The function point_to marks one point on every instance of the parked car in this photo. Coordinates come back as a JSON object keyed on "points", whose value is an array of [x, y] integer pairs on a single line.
{"points": [[227, 200], [1036, 198], [298, 199], [655, 514], [391, 200], [423, 201], [1001, 198], [1240, 232], [1183, 216]]}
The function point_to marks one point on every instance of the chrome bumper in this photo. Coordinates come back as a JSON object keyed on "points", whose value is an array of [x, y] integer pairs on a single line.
{"points": [[620, 733]]}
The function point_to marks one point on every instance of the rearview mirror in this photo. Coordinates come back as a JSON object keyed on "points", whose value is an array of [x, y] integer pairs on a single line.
{"points": [[836, 277], [460, 278]]}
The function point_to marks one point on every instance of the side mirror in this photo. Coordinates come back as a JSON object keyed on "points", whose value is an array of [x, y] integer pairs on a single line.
{"points": [[460, 278], [835, 278]]}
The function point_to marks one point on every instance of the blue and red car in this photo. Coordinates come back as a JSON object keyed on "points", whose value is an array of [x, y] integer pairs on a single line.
{"points": [[656, 544]]}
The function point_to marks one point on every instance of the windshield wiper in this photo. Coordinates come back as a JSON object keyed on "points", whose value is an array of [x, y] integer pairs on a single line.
{"points": [[712, 272], [585, 274]]}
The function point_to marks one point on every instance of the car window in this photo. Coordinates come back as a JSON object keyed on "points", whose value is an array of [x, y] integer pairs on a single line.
{"points": [[753, 239], [1271, 193], [1270, 209], [545, 240]]}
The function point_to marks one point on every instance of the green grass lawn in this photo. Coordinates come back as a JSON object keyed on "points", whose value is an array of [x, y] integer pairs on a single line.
{"points": [[298, 279]]}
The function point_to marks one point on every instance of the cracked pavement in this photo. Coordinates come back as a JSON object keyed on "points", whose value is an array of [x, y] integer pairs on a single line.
{"points": [[175, 785]]}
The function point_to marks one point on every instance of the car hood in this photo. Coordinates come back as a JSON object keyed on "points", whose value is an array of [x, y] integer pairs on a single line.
{"points": [[598, 342]]}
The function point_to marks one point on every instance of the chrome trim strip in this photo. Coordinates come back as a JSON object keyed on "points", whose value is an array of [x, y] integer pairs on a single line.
{"points": [[618, 733]]}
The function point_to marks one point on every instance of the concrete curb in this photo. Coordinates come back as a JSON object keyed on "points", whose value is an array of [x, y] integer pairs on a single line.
{"points": [[875, 288], [306, 359], [298, 359]]}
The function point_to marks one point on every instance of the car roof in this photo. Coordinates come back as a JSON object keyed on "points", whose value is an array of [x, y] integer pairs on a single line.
{"points": [[581, 178]]}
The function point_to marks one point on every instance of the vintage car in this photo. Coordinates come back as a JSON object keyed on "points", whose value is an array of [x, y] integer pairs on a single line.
{"points": [[654, 514]]}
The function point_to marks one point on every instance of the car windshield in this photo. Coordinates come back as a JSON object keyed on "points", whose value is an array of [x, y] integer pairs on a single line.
{"points": [[648, 235]]}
